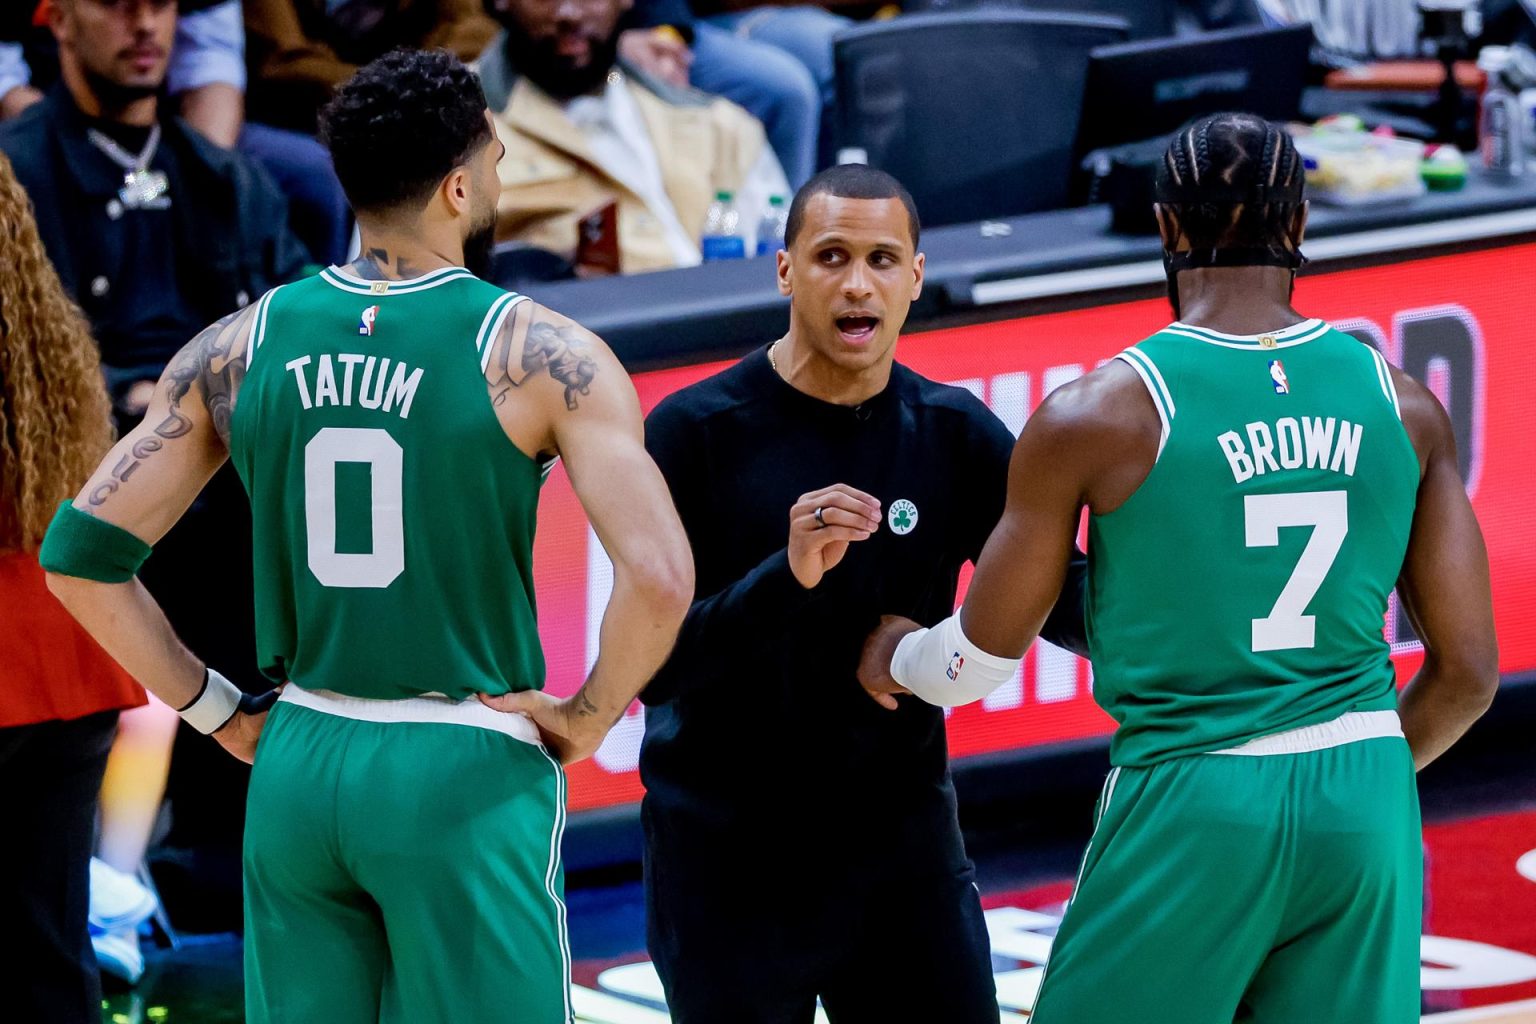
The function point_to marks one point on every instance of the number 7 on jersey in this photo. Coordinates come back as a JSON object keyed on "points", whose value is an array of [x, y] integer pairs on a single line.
{"points": [[1265, 515]]}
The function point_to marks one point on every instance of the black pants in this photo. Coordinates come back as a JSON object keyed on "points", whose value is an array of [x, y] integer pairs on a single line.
{"points": [[761, 947], [50, 775]]}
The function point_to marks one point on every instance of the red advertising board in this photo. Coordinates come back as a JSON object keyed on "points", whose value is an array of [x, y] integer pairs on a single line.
{"points": [[1457, 322]]}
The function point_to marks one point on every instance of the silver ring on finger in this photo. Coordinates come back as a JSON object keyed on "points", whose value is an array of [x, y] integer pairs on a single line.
{"points": [[821, 524]]}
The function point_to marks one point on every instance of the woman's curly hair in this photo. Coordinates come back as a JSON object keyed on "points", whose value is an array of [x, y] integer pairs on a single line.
{"points": [[55, 417]]}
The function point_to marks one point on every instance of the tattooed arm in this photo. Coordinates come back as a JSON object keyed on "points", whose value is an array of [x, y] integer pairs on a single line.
{"points": [[557, 389], [143, 486]]}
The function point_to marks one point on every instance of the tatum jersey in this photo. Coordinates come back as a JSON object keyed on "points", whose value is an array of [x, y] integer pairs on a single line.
{"points": [[1241, 590], [393, 519]]}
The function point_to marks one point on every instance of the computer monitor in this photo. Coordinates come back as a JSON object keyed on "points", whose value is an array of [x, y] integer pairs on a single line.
{"points": [[1145, 19], [1143, 90]]}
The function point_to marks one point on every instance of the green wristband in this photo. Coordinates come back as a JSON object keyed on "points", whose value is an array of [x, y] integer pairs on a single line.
{"points": [[79, 544]]}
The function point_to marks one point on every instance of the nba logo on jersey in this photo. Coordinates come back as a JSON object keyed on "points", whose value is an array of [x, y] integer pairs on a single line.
{"points": [[365, 323], [956, 663], [1276, 375]]}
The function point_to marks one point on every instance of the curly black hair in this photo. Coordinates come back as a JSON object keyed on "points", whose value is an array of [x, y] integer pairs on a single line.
{"points": [[400, 125], [1234, 152]]}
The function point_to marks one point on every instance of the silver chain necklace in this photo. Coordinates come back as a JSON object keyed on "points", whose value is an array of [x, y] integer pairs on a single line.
{"points": [[772, 361], [142, 187]]}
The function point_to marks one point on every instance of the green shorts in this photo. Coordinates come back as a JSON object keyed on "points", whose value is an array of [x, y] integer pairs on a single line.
{"points": [[1268, 889], [402, 864]]}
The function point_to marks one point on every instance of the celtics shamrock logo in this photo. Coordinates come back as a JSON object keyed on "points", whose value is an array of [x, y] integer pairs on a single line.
{"points": [[902, 517]]}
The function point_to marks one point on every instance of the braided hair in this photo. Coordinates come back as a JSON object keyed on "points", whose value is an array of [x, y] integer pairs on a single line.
{"points": [[1232, 181]]}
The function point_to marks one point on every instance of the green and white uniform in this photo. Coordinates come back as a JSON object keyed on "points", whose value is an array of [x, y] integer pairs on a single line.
{"points": [[1257, 851], [402, 842]]}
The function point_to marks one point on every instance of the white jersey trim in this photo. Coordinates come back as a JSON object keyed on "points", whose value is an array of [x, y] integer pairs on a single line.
{"points": [[340, 277], [259, 327], [1162, 400], [1350, 727], [491, 326], [1296, 334], [1384, 377], [429, 708]]}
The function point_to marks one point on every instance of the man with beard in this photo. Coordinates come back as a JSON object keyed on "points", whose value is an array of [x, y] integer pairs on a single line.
{"points": [[585, 130], [392, 421], [155, 231]]}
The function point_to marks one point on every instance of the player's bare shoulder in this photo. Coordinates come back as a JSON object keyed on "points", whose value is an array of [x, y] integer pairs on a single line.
{"points": [[539, 348], [1106, 408], [544, 369], [1424, 418], [1104, 428]]}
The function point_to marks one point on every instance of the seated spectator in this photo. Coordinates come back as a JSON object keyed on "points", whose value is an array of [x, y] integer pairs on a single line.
{"points": [[777, 66], [299, 51], [1348, 31], [17, 90], [584, 129], [206, 84], [208, 92], [154, 230], [207, 76]]}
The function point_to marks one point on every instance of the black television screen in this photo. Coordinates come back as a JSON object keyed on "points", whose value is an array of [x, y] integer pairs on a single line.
{"points": [[1144, 90]]}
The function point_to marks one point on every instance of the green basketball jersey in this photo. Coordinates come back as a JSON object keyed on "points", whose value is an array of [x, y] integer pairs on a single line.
{"points": [[1241, 591], [393, 519]]}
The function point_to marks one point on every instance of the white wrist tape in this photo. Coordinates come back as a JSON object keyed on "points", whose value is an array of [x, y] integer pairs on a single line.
{"points": [[213, 707], [943, 667]]}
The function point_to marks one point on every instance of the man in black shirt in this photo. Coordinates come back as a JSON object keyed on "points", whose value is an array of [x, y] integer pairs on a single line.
{"points": [[801, 839]]}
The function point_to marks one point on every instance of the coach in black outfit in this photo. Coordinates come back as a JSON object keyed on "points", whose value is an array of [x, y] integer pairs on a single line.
{"points": [[801, 839]]}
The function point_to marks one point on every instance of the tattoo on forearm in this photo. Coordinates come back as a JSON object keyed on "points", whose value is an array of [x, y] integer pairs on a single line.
{"points": [[561, 350], [584, 705], [207, 361]]}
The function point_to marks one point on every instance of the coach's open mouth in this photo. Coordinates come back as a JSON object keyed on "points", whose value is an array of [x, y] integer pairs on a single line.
{"points": [[857, 329]]}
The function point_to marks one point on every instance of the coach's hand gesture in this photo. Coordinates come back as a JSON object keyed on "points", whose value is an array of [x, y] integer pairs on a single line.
{"points": [[821, 526]]}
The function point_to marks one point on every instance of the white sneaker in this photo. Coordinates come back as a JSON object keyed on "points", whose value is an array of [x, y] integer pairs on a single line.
{"points": [[118, 901], [118, 953]]}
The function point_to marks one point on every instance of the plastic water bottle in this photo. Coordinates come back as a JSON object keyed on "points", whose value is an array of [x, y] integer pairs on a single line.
{"points": [[770, 230], [722, 230], [1528, 118], [1500, 135]]}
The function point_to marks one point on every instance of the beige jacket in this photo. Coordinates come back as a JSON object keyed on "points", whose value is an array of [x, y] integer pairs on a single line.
{"points": [[550, 179]]}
